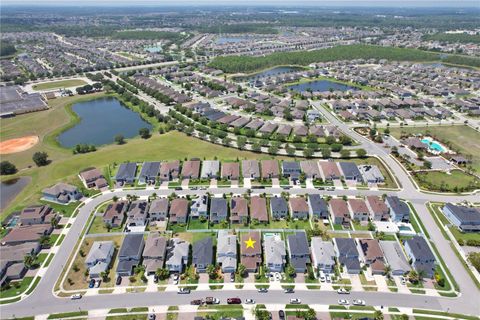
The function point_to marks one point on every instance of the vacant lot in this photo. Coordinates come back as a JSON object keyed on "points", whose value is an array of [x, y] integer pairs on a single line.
{"points": [[59, 84]]}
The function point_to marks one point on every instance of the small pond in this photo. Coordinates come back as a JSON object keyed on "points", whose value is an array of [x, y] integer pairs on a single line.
{"points": [[10, 189], [321, 86], [101, 120]]}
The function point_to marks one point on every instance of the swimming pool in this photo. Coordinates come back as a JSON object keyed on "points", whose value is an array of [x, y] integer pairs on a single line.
{"points": [[433, 145]]}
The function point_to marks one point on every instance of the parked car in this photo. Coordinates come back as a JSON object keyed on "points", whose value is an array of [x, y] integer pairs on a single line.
{"points": [[263, 290], [250, 301], [322, 277], [328, 278], [343, 302], [295, 301], [175, 278], [151, 316], [288, 291], [155, 278], [234, 301], [403, 280], [343, 291], [97, 283], [212, 300], [196, 302], [232, 277], [183, 291], [118, 281], [91, 284], [281, 314], [358, 302], [76, 296]]}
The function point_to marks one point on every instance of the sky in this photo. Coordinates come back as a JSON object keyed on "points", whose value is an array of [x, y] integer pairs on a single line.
{"points": [[331, 3]]}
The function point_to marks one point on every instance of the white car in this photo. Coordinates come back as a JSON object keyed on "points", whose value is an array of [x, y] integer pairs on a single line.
{"points": [[278, 276], [76, 296], [358, 302], [343, 291], [295, 301], [328, 278], [343, 302], [403, 281], [250, 301]]}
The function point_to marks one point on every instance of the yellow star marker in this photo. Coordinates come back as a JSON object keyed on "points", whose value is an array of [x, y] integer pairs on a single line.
{"points": [[250, 243]]}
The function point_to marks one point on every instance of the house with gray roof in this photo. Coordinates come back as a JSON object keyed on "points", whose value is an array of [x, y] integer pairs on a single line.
{"points": [[210, 169], [467, 219], [395, 257], [199, 207], [61, 193], [149, 173], [347, 254], [298, 251], [399, 210], [419, 253], [158, 210], [99, 258], [126, 173], [371, 174], [137, 215], [218, 210], [310, 169], [202, 254], [154, 253], [250, 169], [350, 171], [177, 255], [12, 265], [317, 206], [278, 207], [130, 253], [227, 251], [291, 169], [323, 255], [275, 252]]}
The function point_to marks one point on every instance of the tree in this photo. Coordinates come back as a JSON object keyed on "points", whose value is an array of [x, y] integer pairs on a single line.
{"points": [[290, 150], [44, 240], [326, 153], [474, 258], [308, 153], [273, 149], [212, 271], [144, 133], [378, 315], [290, 270], [241, 142], [119, 139], [40, 158], [413, 276], [29, 260], [427, 164], [345, 153], [6, 167], [261, 314], [241, 270], [162, 273], [361, 153], [54, 222]]}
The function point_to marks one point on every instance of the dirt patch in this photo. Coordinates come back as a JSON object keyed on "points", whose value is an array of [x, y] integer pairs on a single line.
{"points": [[18, 144]]}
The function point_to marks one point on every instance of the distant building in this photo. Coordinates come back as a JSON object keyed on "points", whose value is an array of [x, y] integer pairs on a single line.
{"points": [[466, 219]]}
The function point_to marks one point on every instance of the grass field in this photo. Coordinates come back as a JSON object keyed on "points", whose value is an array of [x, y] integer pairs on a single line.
{"points": [[59, 84]]}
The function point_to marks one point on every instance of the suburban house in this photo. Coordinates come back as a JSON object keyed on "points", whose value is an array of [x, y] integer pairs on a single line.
{"points": [[158, 210], [350, 171], [230, 170], [250, 169], [465, 218], [191, 169], [278, 208], [169, 170], [178, 210], [419, 253], [395, 258], [149, 173], [199, 207], [210, 169], [298, 208], [291, 169], [269, 169], [177, 255], [373, 255], [298, 251], [378, 209], [251, 251], [317, 207], [12, 266], [310, 169], [154, 253], [37, 215], [130, 253], [238, 210], [93, 178], [347, 254], [399, 210], [218, 210], [137, 215], [227, 251], [258, 209], [330, 170], [340, 212], [202, 254], [371, 173], [275, 253], [99, 258], [323, 255], [28, 233], [115, 213], [359, 209], [61, 193], [126, 173]]}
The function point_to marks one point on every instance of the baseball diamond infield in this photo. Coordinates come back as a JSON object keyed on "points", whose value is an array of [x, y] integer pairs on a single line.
{"points": [[18, 144]]}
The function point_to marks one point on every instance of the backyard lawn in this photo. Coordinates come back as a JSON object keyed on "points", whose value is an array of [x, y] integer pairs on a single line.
{"points": [[59, 84]]}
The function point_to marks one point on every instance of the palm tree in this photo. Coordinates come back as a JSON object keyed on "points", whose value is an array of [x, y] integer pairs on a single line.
{"points": [[241, 270], [387, 270], [29, 260], [212, 271], [413, 276]]}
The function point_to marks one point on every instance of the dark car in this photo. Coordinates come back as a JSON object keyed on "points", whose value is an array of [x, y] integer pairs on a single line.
{"points": [[91, 284], [263, 290], [234, 301], [118, 281], [289, 291], [196, 302], [281, 314]]}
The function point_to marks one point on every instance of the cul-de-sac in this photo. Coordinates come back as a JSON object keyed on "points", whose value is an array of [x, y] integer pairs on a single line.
{"points": [[240, 160]]}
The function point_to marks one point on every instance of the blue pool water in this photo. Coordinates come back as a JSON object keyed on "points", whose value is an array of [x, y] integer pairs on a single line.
{"points": [[404, 228], [433, 145]]}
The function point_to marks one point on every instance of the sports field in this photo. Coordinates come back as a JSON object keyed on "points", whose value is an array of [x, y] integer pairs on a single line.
{"points": [[59, 84]]}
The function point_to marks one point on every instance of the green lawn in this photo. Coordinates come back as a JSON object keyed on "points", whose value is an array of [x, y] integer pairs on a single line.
{"points": [[59, 84], [15, 288], [459, 235], [455, 181], [98, 226], [197, 224]]}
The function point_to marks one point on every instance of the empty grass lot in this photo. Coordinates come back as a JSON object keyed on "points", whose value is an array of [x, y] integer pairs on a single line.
{"points": [[59, 84]]}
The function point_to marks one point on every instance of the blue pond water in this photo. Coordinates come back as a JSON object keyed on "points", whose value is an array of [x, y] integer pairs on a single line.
{"points": [[322, 86], [101, 120]]}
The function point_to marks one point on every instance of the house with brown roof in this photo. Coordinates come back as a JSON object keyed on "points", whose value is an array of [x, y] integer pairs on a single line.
{"points": [[191, 169], [298, 208], [169, 170], [115, 213], [270, 169], [258, 209], [251, 250], [37, 215], [230, 170], [359, 209], [238, 210], [330, 170], [378, 209], [154, 253], [29, 233], [178, 210], [373, 255], [339, 211], [310, 169], [93, 178]]}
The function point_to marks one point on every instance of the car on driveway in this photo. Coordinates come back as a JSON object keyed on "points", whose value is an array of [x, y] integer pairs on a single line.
{"points": [[91, 284], [183, 291], [403, 281], [358, 302], [151, 316], [232, 277], [175, 278], [281, 314], [76, 296], [118, 281], [343, 302], [289, 291], [343, 291], [250, 301], [97, 283], [234, 301], [295, 301]]}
